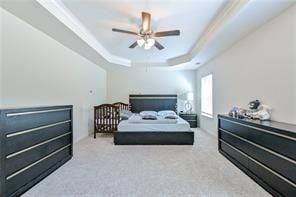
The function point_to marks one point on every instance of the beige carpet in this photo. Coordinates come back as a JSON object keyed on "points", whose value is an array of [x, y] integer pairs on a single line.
{"points": [[101, 169]]}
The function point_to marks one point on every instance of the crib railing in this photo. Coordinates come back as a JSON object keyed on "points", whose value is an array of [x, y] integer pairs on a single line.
{"points": [[107, 116], [122, 106]]}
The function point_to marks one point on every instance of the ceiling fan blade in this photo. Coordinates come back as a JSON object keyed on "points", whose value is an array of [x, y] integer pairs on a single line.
{"points": [[124, 31], [167, 33], [133, 45], [146, 21], [158, 45]]}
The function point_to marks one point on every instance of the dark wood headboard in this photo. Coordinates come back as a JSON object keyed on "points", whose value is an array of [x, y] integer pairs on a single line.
{"points": [[153, 102]]}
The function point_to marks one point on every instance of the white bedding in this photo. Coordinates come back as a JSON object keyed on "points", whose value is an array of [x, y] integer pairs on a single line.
{"points": [[137, 119], [180, 125]]}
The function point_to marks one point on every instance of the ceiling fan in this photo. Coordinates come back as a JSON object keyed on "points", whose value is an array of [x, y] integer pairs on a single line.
{"points": [[146, 34]]}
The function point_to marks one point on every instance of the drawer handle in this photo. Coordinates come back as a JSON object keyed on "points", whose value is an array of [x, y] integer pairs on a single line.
{"points": [[36, 129], [259, 146], [36, 112], [263, 130], [153, 97], [36, 162], [35, 146]]}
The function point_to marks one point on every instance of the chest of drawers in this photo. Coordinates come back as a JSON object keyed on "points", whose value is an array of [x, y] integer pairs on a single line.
{"points": [[264, 150], [33, 143]]}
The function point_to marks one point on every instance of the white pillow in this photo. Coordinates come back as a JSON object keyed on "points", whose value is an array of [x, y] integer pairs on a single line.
{"points": [[171, 117], [166, 113], [152, 113], [125, 114]]}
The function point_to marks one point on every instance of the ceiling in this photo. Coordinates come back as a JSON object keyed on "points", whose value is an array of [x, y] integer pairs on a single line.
{"points": [[207, 26], [190, 16]]}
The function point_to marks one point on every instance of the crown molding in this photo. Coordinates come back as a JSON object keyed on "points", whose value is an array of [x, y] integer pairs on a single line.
{"points": [[62, 13], [230, 10]]}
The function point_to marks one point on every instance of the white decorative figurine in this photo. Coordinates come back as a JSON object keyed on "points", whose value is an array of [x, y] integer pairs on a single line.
{"points": [[262, 113]]}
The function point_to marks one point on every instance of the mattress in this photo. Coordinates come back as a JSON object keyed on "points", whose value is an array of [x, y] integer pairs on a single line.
{"points": [[181, 125]]}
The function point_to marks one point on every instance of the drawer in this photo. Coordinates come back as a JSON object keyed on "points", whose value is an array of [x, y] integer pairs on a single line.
{"points": [[193, 124], [25, 120], [19, 142], [21, 179], [280, 144], [188, 117], [273, 182], [234, 154], [278, 163], [282, 186], [23, 159]]}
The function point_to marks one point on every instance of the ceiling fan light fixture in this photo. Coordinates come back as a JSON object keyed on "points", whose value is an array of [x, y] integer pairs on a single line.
{"points": [[141, 42], [150, 42], [146, 34], [147, 47]]}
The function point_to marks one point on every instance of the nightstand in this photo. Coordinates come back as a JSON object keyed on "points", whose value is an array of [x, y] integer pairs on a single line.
{"points": [[190, 118]]}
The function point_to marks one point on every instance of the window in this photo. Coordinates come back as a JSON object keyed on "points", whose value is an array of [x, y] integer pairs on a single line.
{"points": [[207, 96]]}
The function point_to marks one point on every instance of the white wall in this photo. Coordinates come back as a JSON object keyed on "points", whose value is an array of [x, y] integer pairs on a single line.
{"points": [[260, 66], [152, 80], [38, 70]]}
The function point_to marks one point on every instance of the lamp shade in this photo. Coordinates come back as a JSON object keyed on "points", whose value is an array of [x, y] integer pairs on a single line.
{"points": [[190, 96]]}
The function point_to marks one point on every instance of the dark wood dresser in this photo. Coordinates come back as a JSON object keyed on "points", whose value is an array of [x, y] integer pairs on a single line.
{"points": [[264, 150], [33, 143], [192, 119]]}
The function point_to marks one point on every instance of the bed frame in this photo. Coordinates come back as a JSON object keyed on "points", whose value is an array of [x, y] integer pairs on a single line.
{"points": [[140, 103]]}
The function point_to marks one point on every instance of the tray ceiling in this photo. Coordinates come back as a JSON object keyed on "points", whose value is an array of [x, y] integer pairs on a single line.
{"points": [[190, 16], [207, 27]]}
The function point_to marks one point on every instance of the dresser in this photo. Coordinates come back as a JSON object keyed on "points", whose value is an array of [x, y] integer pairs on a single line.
{"points": [[33, 143], [192, 119], [264, 150]]}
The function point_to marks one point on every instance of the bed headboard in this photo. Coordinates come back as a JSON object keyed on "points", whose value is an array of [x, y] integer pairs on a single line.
{"points": [[153, 102]]}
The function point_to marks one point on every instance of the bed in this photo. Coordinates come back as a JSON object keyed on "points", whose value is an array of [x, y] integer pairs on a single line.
{"points": [[153, 134]]}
